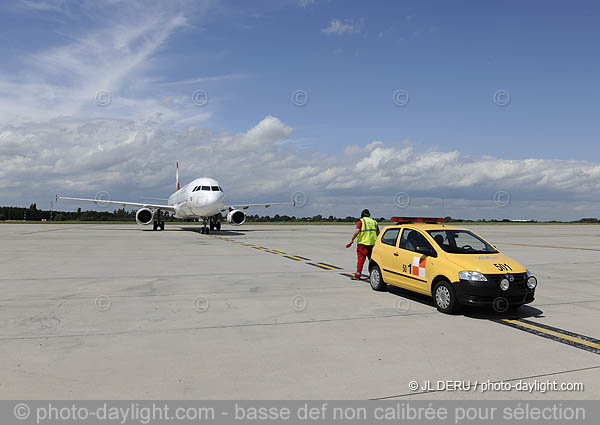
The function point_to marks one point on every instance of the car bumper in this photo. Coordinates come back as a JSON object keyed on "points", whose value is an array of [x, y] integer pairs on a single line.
{"points": [[485, 293]]}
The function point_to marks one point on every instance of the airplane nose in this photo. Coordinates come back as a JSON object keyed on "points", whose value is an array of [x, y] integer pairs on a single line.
{"points": [[211, 198]]}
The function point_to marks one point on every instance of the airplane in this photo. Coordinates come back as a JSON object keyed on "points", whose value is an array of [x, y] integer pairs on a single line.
{"points": [[202, 198]]}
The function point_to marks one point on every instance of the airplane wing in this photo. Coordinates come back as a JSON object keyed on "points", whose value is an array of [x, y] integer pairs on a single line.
{"points": [[122, 203], [154, 199], [246, 206]]}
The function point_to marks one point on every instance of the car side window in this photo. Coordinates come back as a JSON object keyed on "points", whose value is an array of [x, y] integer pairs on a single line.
{"points": [[411, 239], [390, 237]]}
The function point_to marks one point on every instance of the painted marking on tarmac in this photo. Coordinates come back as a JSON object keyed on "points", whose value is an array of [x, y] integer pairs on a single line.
{"points": [[50, 230], [325, 266], [365, 278], [573, 339], [552, 246], [296, 257], [330, 266]]}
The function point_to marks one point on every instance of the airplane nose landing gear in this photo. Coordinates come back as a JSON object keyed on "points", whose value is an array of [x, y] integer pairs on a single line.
{"points": [[204, 230], [210, 224]]}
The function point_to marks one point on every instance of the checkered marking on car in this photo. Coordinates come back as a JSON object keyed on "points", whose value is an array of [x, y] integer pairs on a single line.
{"points": [[419, 266]]}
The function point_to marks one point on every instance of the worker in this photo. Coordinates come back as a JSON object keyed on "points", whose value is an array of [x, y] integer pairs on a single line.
{"points": [[365, 234]]}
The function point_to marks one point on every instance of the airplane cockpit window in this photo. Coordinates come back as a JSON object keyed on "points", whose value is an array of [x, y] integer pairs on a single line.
{"points": [[215, 188], [220, 189], [205, 187], [196, 188]]}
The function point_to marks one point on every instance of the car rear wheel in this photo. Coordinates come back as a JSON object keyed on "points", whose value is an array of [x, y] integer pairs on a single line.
{"points": [[377, 283], [444, 297]]}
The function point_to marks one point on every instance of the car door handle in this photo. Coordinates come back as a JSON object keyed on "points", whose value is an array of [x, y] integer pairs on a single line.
{"points": [[395, 254]]}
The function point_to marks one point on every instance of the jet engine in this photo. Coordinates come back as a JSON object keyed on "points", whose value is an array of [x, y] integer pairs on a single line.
{"points": [[144, 216], [236, 217]]}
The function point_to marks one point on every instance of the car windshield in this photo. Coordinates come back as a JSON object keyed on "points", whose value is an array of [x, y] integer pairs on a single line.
{"points": [[461, 242]]}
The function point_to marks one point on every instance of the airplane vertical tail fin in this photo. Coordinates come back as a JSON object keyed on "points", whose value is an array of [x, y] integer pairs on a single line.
{"points": [[177, 175]]}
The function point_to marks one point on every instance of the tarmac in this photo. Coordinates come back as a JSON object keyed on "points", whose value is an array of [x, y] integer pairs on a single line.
{"points": [[115, 311]]}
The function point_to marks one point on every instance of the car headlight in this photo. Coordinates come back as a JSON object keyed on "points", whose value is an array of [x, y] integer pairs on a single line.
{"points": [[531, 280], [470, 275], [504, 284]]}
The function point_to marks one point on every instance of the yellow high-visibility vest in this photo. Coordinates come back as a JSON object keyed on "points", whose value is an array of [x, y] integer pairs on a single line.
{"points": [[368, 232]]}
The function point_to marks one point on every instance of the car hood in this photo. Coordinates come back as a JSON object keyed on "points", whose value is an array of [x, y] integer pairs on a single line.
{"points": [[486, 263]]}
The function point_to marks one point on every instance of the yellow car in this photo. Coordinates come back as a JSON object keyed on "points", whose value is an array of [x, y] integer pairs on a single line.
{"points": [[451, 264]]}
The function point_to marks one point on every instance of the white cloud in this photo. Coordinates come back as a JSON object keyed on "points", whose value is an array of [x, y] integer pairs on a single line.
{"points": [[55, 6], [261, 136], [54, 138], [129, 159], [201, 80], [348, 26], [306, 3], [109, 55]]}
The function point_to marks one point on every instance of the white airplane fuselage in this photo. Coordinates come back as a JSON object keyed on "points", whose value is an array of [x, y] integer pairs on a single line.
{"points": [[201, 197]]}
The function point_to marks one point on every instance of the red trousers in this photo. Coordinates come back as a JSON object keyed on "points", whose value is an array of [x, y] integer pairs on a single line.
{"points": [[362, 252]]}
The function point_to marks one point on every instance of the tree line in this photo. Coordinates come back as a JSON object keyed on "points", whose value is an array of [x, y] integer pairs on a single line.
{"points": [[32, 213]]}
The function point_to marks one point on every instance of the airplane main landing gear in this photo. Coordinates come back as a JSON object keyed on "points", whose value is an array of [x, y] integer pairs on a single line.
{"points": [[215, 223], [158, 224]]}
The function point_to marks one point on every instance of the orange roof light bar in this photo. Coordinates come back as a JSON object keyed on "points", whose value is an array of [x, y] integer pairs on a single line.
{"points": [[430, 220]]}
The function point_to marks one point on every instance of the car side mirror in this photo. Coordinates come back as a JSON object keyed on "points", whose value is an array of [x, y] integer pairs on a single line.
{"points": [[425, 250]]}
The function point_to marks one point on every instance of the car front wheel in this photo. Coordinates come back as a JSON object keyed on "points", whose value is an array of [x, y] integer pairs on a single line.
{"points": [[376, 280], [444, 297]]}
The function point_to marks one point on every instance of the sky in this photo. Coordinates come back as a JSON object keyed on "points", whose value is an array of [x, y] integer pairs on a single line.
{"points": [[433, 108]]}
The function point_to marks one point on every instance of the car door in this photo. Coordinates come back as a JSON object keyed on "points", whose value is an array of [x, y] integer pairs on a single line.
{"points": [[415, 255], [387, 252]]}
